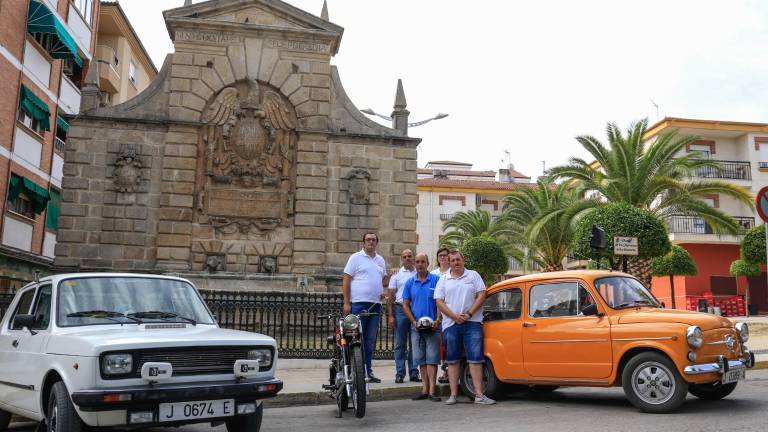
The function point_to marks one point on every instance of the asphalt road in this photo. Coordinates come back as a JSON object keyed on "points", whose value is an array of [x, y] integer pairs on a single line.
{"points": [[574, 409]]}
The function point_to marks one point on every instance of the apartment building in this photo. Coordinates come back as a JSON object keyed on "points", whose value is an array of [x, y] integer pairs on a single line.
{"points": [[742, 150], [125, 68], [45, 49], [447, 187]]}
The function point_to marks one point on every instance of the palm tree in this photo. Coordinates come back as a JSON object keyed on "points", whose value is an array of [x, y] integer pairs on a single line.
{"points": [[650, 174], [543, 217], [475, 223]]}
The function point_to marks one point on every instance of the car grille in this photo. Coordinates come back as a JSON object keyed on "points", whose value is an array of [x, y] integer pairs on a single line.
{"points": [[195, 360]]}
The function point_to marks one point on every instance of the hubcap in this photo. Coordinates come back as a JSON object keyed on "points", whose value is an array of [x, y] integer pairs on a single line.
{"points": [[653, 383]]}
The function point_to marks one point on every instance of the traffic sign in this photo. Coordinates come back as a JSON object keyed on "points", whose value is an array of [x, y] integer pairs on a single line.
{"points": [[625, 246], [761, 202]]}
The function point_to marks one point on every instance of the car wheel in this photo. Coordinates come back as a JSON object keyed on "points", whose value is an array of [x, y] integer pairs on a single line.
{"points": [[490, 381], [62, 416], [715, 391], [652, 384], [5, 420], [247, 423]]}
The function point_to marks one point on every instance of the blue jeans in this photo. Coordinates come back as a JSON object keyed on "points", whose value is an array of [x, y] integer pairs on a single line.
{"points": [[466, 339], [370, 329], [402, 333]]}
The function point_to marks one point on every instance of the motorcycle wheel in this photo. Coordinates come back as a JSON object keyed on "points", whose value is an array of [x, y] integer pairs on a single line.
{"points": [[358, 380]]}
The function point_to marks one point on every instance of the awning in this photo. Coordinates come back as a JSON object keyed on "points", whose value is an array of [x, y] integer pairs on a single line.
{"points": [[62, 123], [36, 107], [38, 195], [52, 217], [42, 20]]}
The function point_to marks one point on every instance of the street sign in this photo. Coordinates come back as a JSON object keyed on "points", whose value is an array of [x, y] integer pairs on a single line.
{"points": [[761, 202], [625, 246]]}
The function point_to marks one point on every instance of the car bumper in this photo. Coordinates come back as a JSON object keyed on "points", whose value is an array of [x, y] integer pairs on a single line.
{"points": [[122, 398], [722, 365]]}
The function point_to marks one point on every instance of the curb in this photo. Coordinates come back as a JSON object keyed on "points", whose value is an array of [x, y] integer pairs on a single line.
{"points": [[761, 365], [322, 398]]}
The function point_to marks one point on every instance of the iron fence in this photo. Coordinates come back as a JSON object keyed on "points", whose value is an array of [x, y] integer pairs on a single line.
{"points": [[290, 318], [697, 225], [728, 170]]}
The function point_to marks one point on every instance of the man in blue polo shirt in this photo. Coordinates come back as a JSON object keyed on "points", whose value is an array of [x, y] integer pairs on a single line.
{"points": [[418, 303]]}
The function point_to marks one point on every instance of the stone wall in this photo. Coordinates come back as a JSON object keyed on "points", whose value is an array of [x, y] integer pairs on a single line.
{"points": [[149, 184]]}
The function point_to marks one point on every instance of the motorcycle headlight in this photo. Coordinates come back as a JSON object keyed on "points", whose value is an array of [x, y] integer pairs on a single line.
{"points": [[743, 330], [117, 364], [351, 322], [263, 356], [695, 337]]}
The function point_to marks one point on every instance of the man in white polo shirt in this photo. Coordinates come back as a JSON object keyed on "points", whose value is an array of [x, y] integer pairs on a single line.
{"points": [[460, 295], [363, 287], [398, 320]]}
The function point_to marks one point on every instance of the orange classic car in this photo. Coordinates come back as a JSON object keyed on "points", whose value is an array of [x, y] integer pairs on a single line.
{"points": [[602, 329]]}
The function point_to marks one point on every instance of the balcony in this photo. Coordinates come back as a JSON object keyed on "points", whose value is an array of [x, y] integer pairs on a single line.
{"points": [[69, 96], [109, 77], [696, 225], [59, 145], [763, 165], [516, 267], [446, 216], [734, 170]]}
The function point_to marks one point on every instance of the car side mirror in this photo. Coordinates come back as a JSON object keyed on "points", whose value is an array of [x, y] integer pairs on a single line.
{"points": [[590, 310], [28, 321]]}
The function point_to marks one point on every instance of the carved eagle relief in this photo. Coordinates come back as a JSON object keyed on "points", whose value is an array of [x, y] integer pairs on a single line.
{"points": [[249, 140]]}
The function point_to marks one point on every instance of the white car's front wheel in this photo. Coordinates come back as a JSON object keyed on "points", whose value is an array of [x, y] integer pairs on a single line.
{"points": [[62, 416], [246, 423]]}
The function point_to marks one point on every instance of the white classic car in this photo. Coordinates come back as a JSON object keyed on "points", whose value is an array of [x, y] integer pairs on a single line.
{"points": [[130, 350]]}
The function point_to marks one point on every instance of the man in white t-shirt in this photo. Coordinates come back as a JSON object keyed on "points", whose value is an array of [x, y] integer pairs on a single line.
{"points": [[460, 295], [363, 287], [398, 320]]}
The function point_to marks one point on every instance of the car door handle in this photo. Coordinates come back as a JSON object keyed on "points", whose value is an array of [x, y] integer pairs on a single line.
{"points": [[529, 324], [15, 343]]}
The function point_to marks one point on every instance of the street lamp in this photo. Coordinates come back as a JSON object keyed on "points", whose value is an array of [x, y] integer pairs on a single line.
{"points": [[399, 117], [438, 116]]}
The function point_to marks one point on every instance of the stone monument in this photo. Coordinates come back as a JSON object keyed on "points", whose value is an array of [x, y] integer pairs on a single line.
{"points": [[244, 165]]}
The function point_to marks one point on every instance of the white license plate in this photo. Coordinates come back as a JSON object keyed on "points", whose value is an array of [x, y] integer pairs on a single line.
{"points": [[733, 375], [196, 410]]}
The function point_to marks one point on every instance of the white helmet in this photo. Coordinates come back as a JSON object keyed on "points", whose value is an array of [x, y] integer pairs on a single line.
{"points": [[424, 323]]}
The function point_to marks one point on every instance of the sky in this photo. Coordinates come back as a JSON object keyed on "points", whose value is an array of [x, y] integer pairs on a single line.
{"points": [[528, 76]]}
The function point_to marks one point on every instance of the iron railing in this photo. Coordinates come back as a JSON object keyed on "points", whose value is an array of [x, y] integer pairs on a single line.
{"points": [[736, 170], [446, 216], [697, 225], [763, 164], [290, 318]]}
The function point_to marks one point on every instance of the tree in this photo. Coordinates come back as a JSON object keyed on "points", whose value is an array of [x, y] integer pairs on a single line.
{"points": [[485, 256], [475, 223], [753, 245], [621, 219], [678, 262], [745, 268], [651, 175], [542, 216]]}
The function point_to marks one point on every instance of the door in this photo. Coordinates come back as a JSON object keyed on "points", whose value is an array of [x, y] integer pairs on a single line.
{"points": [[13, 385], [502, 327], [31, 349], [558, 340]]}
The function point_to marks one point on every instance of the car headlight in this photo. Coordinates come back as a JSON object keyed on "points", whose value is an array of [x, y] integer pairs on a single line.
{"points": [[695, 337], [117, 364], [263, 356], [351, 322], [743, 330]]}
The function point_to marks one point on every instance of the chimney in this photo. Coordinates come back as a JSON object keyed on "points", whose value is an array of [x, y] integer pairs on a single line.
{"points": [[400, 114]]}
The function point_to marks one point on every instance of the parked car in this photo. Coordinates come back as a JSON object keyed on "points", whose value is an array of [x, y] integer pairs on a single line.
{"points": [[602, 329], [111, 349]]}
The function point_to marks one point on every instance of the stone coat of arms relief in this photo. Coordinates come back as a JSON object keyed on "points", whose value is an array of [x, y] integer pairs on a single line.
{"points": [[250, 143]]}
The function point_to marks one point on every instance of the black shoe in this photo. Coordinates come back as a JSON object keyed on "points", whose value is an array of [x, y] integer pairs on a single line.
{"points": [[415, 378], [373, 379], [421, 396], [435, 398], [398, 379]]}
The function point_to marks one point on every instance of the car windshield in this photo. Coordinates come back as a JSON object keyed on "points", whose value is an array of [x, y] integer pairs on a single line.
{"points": [[623, 292], [128, 300]]}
